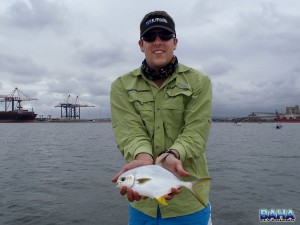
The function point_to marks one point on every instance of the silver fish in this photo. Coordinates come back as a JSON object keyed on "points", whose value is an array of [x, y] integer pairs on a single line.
{"points": [[154, 181]]}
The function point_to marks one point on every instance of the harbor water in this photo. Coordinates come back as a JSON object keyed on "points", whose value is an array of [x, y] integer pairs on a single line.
{"points": [[60, 173]]}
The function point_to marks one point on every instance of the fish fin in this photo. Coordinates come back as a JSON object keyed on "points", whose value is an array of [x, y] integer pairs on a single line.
{"points": [[161, 200], [196, 185], [201, 181], [143, 180]]}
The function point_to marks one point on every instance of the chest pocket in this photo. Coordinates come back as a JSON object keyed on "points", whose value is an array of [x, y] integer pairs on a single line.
{"points": [[143, 103], [177, 98], [174, 106]]}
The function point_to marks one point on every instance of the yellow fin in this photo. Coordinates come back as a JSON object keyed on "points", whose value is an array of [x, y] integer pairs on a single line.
{"points": [[161, 200], [143, 180]]}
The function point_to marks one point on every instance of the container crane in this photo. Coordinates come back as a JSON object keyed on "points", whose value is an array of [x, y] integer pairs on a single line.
{"points": [[14, 99], [70, 109]]}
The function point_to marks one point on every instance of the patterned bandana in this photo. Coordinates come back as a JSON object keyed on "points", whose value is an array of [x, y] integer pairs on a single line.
{"points": [[164, 72]]}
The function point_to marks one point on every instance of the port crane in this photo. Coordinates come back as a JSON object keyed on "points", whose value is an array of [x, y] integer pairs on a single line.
{"points": [[70, 108], [14, 100]]}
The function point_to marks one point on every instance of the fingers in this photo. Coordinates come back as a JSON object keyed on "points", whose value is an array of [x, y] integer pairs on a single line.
{"points": [[169, 196], [125, 168], [123, 190], [174, 191], [131, 194], [135, 196], [115, 178], [181, 171]]}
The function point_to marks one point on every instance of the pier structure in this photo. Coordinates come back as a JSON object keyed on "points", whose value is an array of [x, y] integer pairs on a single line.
{"points": [[70, 109]]}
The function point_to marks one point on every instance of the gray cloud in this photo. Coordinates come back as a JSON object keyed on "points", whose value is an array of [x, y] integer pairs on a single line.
{"points": [[101, 56], [16, 69], [36, 14], [217, 66]]}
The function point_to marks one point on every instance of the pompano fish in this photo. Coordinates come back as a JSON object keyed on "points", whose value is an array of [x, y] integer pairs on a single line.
{"points": [[154, 181]]}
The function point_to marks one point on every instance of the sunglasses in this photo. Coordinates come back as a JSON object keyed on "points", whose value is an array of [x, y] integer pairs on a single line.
{"points": [[164, 36]]}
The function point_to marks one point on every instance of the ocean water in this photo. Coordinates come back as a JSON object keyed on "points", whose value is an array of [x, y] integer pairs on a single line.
{"points": [[60, 173]]}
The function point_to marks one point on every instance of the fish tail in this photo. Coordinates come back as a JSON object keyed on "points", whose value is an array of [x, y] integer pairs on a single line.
{"points": [[161, 200], [193, 186]]}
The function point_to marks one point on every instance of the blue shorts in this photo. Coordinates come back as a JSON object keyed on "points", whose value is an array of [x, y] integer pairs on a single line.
{"points": [[203, 217]]}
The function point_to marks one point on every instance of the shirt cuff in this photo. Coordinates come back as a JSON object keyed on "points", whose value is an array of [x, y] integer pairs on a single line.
{"points": [[143, 149]]}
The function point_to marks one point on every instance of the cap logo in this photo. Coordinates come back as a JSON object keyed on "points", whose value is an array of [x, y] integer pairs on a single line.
{"points": [[156, 20]]}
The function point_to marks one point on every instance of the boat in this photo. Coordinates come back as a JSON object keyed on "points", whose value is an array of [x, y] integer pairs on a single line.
{"points": [[17, 116], [287, 118], [17, 113]]}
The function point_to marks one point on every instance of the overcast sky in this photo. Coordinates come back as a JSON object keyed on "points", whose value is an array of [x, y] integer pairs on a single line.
{"points": [[52, 48]]}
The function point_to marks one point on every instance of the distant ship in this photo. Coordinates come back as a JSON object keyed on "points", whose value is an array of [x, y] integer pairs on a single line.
{"points": [[17, 113], [17, 116], [287, 118]]}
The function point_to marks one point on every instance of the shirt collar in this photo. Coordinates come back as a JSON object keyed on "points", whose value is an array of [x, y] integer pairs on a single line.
{"points": [[180, 69]]}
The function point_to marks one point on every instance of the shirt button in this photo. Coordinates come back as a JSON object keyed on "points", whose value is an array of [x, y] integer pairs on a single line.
{"points": [[157, 127]]}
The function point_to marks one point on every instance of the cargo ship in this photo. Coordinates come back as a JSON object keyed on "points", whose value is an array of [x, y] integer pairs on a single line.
{"points": [[17, 116], [287, 118], [17, 113]]}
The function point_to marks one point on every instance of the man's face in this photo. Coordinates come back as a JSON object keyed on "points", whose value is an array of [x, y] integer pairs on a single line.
{"points": [[158, 52]]}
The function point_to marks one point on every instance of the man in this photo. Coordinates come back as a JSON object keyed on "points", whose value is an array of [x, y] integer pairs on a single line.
{"points": [[161, 109]]}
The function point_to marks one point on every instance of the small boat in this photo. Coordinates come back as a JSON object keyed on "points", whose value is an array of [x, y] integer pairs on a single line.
{"points": [[278, 126]]}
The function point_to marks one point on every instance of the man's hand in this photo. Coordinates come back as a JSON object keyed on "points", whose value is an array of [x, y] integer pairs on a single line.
{"points": [[171, 163]]}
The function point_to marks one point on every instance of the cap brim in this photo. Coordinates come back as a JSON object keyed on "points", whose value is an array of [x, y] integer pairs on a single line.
{"points": [[158, 26]]}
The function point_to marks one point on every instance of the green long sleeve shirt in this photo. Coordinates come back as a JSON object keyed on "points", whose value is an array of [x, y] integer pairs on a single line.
{"points": [[149, 119]]}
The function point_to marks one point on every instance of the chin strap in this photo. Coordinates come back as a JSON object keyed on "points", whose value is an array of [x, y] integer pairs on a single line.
{"points": [[164, 72]]}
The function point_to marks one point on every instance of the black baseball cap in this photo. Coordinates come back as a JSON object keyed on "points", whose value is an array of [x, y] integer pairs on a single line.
{"points": [[157, 19]]}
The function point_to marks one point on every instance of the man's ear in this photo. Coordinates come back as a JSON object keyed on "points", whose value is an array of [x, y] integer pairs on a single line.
{"points": [[175, 43], [141, 44]]}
